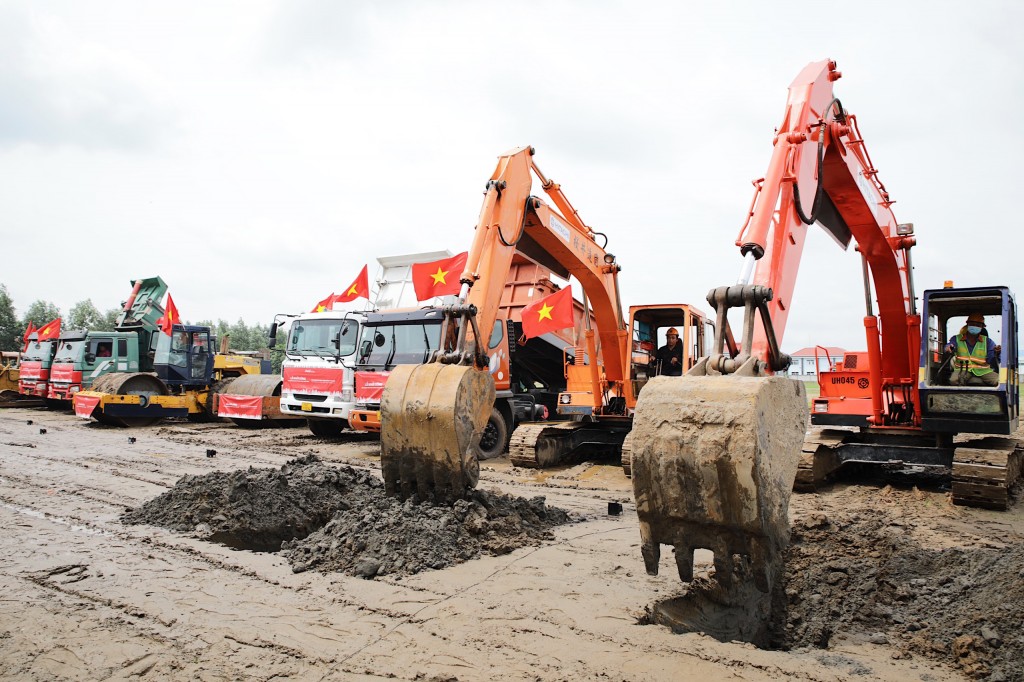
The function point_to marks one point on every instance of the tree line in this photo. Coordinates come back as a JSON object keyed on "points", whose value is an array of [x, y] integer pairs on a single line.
{"points": [[85, 315]]}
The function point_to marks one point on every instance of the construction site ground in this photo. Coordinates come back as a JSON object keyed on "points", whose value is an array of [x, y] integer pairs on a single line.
{"points": [[887, 582]]}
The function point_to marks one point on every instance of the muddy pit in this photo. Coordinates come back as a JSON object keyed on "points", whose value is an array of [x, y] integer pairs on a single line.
{"points": [[328, 519], [862, 574]]}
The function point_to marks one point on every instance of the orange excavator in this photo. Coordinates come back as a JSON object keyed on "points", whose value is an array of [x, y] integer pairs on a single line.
{"points": [[432, 414], [716, 452]]}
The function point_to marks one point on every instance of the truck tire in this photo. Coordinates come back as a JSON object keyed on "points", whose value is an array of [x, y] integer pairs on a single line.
{"points": [[325, 428], [494, 440]]}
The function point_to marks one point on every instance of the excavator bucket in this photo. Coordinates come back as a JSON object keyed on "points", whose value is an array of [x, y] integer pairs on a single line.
{"points": [[432, 417], [714, 460]]}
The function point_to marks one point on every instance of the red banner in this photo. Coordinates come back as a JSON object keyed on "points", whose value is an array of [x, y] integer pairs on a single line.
{"points": [[85, 404], [64, 371], [370, 386], [315, 380], [240, 406], [32, 369]]}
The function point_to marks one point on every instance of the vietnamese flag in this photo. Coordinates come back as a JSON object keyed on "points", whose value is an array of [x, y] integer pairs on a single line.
{"points": [[324, 304], [360, 289], [439, 277], [28, 332], [170, 318], [549, 314], [50, 330]]}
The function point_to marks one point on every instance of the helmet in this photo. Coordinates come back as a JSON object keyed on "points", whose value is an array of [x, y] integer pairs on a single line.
{"points": [[672, 330], [976, 317]]}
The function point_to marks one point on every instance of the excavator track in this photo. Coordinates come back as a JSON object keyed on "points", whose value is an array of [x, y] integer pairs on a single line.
{"points": [[985, 470], [817, 458], [536, 446], [627, 455]]}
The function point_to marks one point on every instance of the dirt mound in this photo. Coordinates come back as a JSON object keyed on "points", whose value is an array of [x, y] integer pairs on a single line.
{"points": [[352, 526], [258, 509], [864, 575], [389, 536]]}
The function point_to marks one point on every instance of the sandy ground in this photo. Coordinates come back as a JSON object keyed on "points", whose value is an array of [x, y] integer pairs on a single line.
{"points": [[86, 597]]}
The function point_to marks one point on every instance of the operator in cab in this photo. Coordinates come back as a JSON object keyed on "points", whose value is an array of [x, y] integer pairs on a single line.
{"points": [[976, 356], [669, 357]]}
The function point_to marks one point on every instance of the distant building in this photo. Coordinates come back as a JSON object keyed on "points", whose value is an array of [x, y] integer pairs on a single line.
{"points": [[803, 361]]}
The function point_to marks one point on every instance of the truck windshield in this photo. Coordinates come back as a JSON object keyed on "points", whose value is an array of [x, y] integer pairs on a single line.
{"points": [[69, 351], [40, 350], [387, 345], [316, 337]]}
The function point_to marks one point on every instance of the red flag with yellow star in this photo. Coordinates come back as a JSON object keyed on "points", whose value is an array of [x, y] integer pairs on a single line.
{"points": [[50, 330], [548, 314], [439, 277], [28, 331], [360, 289], [170, 318], [324, 304]]}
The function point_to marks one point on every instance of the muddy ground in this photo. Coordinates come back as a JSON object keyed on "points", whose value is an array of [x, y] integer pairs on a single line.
{"points": [[883, 583]]}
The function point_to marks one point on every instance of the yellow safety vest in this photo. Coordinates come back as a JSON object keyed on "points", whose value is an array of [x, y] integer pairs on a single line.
{"points": [[980, 352]]}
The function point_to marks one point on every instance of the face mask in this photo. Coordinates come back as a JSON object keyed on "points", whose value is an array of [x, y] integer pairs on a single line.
{"points": [[971, 329]]}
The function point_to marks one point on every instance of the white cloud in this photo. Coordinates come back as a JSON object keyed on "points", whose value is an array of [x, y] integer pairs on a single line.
{"points": [[257, 154]]}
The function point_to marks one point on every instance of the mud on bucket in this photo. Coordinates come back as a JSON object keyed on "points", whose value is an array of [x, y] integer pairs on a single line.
{"points": [[432, 417]]}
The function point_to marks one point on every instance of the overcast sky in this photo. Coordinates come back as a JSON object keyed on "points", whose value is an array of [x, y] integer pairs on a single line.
{"points": [[257, 154]]}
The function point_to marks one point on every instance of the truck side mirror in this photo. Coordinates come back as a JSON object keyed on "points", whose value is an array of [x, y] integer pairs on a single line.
{"points": [[364, 349], [337, 341], [90, 358], [272, 337]]}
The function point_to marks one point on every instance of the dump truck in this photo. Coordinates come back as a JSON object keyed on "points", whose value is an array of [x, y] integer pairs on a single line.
{"points": [[317, 372], [83, 356], [34, 369]]}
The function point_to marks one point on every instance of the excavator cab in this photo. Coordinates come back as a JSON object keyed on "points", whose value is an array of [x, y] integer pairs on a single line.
{"points": [[989, 407], [649, 325]]}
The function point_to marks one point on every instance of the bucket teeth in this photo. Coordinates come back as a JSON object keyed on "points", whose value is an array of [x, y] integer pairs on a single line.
{"points": [[714, 459], [432, 417]]}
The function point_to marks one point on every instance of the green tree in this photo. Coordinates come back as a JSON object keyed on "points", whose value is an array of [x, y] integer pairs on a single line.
{"points": [[40, 312], [84, 315], [109, 320], [11, 330]]}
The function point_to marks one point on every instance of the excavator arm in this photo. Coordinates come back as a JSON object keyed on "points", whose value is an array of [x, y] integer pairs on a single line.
{"points": [[432, 415], [715, 452]]}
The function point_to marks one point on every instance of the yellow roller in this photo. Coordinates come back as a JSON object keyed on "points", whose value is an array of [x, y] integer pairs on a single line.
{"points": [[713, 462], [432, 417]]}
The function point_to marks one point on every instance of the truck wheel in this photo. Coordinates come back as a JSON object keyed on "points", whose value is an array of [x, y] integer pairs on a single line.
{"points": [[495, 437], [325, 428]]}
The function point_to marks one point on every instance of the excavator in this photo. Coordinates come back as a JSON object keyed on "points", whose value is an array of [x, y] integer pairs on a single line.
{"points": [[433, 414], [715, 453]]}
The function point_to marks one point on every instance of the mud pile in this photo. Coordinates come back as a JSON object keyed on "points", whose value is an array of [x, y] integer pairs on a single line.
{"points": [[352, 526], [258, 509], [863, 575], [393, 537]]}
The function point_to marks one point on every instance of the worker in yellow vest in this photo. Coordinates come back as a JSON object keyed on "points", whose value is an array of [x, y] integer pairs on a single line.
{"points": [[976, 356]]}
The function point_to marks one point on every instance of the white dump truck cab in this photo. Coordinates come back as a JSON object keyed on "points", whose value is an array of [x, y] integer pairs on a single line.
{"points": [[318, 369]]}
